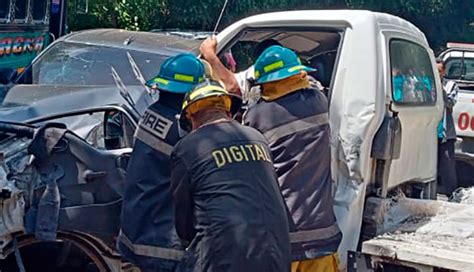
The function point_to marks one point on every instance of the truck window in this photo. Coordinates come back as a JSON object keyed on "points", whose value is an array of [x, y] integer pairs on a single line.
{"points": [[4, 8], [39, 10], [316, 48], [460, 68], [21, 9], [413, 81]]}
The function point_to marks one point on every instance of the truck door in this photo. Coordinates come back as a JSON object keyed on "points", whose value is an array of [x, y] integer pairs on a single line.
{"points": [[417, 98]]}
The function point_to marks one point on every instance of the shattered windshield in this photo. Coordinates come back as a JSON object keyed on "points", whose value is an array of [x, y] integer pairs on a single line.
{"points": [[67, 63]]}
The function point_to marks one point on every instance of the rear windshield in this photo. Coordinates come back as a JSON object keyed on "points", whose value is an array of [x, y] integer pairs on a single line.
{"points": [[460, 68]]}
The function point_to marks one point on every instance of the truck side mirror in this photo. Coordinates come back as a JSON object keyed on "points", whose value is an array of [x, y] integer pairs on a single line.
{"points": [[7, 75], [388, 139]]}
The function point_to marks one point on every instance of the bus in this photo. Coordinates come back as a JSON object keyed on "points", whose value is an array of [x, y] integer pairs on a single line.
{"points": [[26, 28]]}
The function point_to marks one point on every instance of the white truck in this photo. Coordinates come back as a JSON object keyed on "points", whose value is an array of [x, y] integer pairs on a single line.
{"points": [[459, 61], [385, 104]]}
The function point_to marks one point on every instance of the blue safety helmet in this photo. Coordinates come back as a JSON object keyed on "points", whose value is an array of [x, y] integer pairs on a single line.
{"points": [[277, 63], [178, 74]]}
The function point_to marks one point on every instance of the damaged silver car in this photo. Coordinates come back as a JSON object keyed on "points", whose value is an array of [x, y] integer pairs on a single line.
{"points": [[66, 132], [60, 196]]}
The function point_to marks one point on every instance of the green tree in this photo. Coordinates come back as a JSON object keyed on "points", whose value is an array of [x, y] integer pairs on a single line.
{"points": [[440, 20]]}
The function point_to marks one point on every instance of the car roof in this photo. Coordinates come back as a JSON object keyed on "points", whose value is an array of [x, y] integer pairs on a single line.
{"points": [[163, 43], [458, 53]]}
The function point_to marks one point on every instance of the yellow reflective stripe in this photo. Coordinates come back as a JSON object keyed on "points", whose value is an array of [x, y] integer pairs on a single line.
{"points": [[273, 66], [162, 80], [257, 74], [203, 90], [185, 103], [184, 77], [200, 79], [294, 68]]}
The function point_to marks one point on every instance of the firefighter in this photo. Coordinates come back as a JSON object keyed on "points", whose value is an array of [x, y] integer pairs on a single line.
{"points": [[227, 201], [148, 236], [294, 119]]}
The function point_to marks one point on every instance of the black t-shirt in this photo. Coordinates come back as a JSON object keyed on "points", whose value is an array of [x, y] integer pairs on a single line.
{"points": [[227, 200]]}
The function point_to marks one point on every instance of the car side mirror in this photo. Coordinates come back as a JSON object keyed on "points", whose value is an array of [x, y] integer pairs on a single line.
{"points": [[7, 75], [388, 139]]}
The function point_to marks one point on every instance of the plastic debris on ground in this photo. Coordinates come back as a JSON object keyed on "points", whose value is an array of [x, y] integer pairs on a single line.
{"points": [[463, 196]]}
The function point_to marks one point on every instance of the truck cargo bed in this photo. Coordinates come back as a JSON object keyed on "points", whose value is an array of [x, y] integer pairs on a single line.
{"points": [[426, 234]]}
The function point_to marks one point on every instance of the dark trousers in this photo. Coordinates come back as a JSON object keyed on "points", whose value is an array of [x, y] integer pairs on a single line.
{"points": [[447, 178]]}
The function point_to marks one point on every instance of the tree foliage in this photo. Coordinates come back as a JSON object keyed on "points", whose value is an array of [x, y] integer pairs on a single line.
{"points": [[441, 20]]}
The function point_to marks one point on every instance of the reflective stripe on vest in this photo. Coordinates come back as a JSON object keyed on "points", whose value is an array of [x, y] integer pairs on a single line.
{"points": [[148, 138], [298, 125], [316, 234], [151, 251]]}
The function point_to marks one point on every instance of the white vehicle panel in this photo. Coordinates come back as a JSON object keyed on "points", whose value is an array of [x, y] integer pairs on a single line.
{"points": [[463, 113]]}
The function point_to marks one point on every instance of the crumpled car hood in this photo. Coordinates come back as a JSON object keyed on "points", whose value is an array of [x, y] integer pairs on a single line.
{"points": [[25, 102]]}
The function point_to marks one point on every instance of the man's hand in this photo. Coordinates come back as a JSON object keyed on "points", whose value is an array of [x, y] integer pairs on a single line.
{"points": [[208, 48], [208, 52]]}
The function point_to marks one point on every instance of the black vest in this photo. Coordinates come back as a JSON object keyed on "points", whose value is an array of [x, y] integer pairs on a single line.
{"points": [[148, 237], [296, 127]]}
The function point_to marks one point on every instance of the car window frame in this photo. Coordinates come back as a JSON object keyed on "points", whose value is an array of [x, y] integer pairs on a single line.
{"points": [[341, 31], [131, 117], [462, 60]]}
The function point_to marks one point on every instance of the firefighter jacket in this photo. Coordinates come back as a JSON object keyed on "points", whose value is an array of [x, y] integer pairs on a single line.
{"points": [[227, 201], [148, 237], [297, 130]]}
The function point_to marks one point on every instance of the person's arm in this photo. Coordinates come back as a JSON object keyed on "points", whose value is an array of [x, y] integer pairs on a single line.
{"points": [[208, 52], [452, 94], [183, 200]]}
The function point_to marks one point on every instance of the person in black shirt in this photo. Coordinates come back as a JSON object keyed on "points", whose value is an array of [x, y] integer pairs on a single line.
{"points": [[228, 206]]}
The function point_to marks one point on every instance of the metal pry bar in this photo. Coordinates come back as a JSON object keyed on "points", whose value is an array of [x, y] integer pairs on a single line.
{"points": [[220, 17]]}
